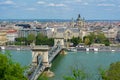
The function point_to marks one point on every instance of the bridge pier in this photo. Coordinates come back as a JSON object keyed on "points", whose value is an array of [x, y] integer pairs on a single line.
{"points": [[63, 51]]}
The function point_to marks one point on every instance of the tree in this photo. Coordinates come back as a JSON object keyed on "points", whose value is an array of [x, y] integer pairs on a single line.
{"points": [[30, 38], [113, 73], [106, 42], [75, 40], [43, 77], [44, 40], [101, 37], [87, 41], [77, 74], [20, 40], [10, 70]]}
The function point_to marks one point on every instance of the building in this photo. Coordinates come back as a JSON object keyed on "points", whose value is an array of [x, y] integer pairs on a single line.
{"points": [[66, 33], [3, 38], [80, 22], [26, 32], [11, 35], [111, 33]]}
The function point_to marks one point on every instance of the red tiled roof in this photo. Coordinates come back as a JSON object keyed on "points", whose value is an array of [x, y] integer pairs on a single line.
{"points": [[11, 31]]}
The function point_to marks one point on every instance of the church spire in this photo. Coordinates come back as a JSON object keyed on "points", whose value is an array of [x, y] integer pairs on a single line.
{"points": [[79, 17]]}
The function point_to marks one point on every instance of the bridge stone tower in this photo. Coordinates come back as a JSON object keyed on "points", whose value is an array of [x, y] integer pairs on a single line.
{"points": [[38, 51], [59, 41]]}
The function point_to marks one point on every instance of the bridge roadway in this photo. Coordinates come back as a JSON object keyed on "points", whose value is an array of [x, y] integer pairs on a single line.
{"points": [[40, 68]]}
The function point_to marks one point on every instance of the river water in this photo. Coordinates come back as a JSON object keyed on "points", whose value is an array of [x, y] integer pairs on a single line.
{"points": [[62, 65]]}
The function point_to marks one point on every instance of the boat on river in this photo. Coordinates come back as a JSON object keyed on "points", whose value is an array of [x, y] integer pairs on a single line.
{"points": [[72, 49]]}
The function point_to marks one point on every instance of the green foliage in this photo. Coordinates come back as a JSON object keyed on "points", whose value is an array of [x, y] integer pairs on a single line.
{"points": [[44, 40], [102, 73], [43, 77], [107, 42], [30, 38], [40, 39], [69, 78], [10, 70], [20, 41], [77, 74], [75, 40], [99, 37], [113, 73], [87, 41]]}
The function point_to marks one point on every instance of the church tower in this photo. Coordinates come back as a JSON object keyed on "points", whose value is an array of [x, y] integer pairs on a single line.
{"points": [[79, 22]]}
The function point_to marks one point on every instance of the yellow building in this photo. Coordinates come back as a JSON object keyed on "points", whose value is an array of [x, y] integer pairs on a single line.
{"points": [[3, 38]]}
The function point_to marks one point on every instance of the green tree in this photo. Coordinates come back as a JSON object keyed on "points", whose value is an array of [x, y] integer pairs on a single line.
{"points": [[87, 41], [20, 40], [30, 38], [77, 74], [75, 40], [10, 70], [91, 38], [113, 73], [40, 39], [44, 40], [100, 37], [107, 42], [43, 77]]}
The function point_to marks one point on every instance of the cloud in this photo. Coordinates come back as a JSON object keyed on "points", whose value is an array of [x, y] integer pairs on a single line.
{"points": [[7, 2], [56, 5], [41, 2], [107, 5], [30, 9], [85, 3], [77, 0], [73, 1], [51, 4]]}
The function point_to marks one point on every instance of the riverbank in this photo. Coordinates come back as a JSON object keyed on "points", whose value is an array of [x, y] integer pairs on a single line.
{"points": [[14, 47], [94, 48]]}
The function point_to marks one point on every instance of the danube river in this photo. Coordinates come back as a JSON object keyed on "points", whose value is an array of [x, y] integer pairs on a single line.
{"points": [[90, 62]]}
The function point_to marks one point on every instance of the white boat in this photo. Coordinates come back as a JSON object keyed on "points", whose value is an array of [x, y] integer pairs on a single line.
{"points": [[95, 49], [87, 49], [113, 50], [72, 49], [2, 47], [18, 49]]}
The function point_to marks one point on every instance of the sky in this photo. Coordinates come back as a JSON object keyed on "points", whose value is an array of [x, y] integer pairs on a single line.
{"points": [[60, 9]]}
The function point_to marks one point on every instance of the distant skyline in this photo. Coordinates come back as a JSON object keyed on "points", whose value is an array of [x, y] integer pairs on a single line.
{"points": [[60, 9]]}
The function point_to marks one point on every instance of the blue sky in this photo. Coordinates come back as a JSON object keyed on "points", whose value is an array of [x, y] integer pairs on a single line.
{"points": [[60, 9]]}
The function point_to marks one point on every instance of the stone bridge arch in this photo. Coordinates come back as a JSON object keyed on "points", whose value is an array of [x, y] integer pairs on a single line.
{"points": [[40, 51]]}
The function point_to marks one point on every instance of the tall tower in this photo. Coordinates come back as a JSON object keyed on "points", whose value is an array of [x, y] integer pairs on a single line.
{"points": [[72, 23]]}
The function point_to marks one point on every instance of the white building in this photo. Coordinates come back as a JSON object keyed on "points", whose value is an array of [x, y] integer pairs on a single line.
{"points": [[11, 35]]}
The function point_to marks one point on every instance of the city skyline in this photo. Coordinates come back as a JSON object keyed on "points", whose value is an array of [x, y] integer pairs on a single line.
{"points": [[64, 9]]}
